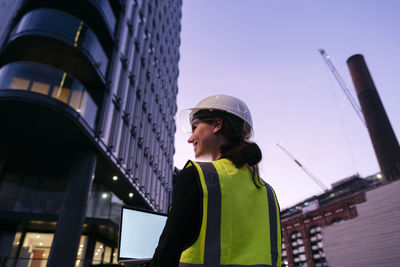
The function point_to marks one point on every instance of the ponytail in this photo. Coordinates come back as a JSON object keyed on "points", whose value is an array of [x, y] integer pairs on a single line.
{"points": [[240, 151]]}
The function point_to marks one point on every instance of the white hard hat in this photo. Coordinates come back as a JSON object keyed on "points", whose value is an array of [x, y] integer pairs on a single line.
{"points": [[229, 104]]}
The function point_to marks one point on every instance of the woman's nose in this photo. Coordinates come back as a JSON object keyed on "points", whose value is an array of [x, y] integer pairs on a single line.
{"points": [[190, 140]]}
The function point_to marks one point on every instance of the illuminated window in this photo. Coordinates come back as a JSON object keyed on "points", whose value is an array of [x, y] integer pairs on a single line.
{"points": [[36, 249], [317, 245], [76, 99], [16, 243], [285, 262], [98, 253], [19, 83], [61, 93], [42, 88], [115, 256], [298, 250], [80, 255], [107, 255], [49, 81]]}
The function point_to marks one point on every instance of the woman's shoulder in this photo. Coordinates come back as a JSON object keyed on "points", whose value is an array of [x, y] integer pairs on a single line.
{"points": [[188, 164], [188, 171], [187, 178]]}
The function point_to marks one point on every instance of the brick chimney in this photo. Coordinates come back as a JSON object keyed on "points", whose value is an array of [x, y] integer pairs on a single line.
{"points": [[385, 143]]}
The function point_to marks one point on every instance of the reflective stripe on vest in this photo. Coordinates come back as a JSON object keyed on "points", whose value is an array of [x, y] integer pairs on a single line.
{"points": [[274, 223], [215, 246]]}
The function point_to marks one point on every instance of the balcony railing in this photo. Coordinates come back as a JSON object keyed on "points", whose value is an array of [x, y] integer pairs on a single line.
{"points": [[104, 7], [65, 27], [49, 81]]}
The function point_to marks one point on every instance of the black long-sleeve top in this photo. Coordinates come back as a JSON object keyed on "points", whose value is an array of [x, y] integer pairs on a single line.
{"points": [[184, 220]]}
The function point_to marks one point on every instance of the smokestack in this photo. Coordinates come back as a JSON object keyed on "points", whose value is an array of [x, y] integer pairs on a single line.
{"points": [[385, 144]]}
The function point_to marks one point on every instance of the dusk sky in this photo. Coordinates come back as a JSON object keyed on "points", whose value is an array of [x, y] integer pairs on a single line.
{"points": [[266, 53]]}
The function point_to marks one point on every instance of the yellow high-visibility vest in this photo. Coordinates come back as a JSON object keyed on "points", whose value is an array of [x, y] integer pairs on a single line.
{"points": [[240, 223]]}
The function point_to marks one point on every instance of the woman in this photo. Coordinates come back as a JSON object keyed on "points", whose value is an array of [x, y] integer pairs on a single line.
{"points": [[222, 213]]}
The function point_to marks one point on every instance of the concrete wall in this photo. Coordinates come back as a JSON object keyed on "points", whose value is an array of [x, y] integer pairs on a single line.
{"points": [[372, 238]]}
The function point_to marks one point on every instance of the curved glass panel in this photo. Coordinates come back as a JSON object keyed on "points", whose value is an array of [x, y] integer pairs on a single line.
{"points": [[104, 7], [66, 27], [21, 192], [102, 203], [49, 81]]}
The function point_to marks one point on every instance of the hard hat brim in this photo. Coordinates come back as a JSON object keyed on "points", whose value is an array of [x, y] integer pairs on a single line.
{"points": [[185, 120]]}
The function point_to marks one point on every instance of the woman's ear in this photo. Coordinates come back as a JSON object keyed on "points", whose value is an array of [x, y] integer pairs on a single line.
{"points": [[217, 125]]}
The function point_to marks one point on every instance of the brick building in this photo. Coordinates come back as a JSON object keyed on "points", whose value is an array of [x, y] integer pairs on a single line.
{"points": [[303, 224]]}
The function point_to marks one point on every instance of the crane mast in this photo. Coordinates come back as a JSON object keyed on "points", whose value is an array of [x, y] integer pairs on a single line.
{"points": [[312, 176], [342, 85]]}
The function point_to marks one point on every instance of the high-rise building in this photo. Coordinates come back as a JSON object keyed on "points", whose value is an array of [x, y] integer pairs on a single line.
{"points": [[87, 102]]}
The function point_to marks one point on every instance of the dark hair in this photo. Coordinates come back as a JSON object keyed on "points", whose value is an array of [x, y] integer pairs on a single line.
{"points": [[238, 149]]}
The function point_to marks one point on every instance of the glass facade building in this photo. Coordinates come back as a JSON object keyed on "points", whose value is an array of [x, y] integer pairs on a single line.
{"points": [[88, 98]]}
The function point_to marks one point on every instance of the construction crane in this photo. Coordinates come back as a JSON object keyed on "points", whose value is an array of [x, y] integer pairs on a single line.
{"points": [[342, 85], [312, 176]]}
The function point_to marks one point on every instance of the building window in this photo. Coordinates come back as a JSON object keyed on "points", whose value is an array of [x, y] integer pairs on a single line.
{"points": [[23, 193], [285, 262], [317, 245], [107, 255], [80, 256], [98, 253], [115, 129], [16, 244], [35, 250], [72, 30], [49, 81], [102, 203], [298, 250], [115, 256]]}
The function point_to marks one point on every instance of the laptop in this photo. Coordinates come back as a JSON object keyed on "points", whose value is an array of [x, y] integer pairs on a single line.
{"points": [[139, 233]]}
